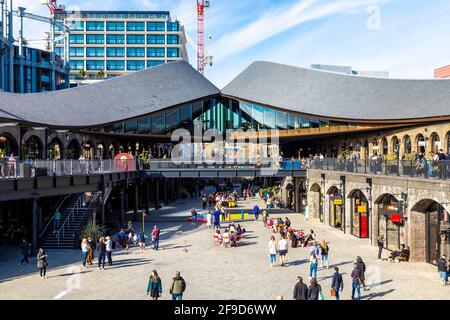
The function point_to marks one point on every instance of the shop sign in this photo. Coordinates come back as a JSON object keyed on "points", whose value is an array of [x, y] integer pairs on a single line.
{"points": [[421, 143], [337, 202], [362, 209], [396, 218]]}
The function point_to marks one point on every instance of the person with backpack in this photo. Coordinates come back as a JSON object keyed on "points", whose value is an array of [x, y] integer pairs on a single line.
{"points": [[315, 290], [178, 287], [300, 290], [337, 283], [362, 269], [155, 238], [324, 249], [313, 266], [154, 287], [356, 281]]}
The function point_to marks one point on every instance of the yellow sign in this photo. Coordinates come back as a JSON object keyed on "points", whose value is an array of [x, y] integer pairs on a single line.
{"points": [[362, 209], [337, 201]]}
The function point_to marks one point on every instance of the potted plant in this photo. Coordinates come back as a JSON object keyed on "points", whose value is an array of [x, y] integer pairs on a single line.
{"points": [[391, 162], [408, 164], [95, 232]]}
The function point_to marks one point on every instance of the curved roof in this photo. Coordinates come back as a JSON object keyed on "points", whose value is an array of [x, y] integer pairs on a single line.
{"points": [[115, 99], [335, 95]]}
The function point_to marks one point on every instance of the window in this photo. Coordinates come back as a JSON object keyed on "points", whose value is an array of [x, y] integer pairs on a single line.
{"points": [[158, 124], [115, 65], [131, 126], [115, 39], [76, 39], [115, 52], [185, 116], [135, 65], [269, 118], [171, 119], [154, 63], [156, 26], [95, 65], [135, 52], [76, 64], [115, 26], [76, 25], [76, 52], [292, 121], [143, 125], [95, 52], [59, 51], [173, 26], [95, 39], [282, 120], [135, 39], [173, 52], [156, 52], [136, 26], [156, 39], [95, 26], [173, 39]]}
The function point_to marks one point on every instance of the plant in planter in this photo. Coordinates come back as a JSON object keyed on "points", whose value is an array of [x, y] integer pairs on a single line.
{"points": [[92, 231], [391, 162], [408, 163]]}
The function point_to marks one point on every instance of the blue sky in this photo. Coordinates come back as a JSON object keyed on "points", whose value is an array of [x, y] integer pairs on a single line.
{"points": [[411, 41]]}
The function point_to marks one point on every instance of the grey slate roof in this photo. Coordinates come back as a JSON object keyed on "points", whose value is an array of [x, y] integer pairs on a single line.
{"points": [[120, 98], [342, 96]]}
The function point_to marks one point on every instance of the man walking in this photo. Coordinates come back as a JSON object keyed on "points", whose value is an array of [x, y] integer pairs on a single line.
{"points": [[24, 248], [155, 238], [56, 219], [337, 283], [356, 281], [380, 242], [178, 286], [108, 244], [300, 290]]}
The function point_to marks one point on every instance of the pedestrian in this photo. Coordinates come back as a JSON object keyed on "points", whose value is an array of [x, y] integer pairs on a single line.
{"points": [[56, 220], [154, 287], [443, 269], [356, 281], [272, 251], [283, 250], [287, 222], [142, 237], [217, 219], [84, 251], [204, 201], [25, 249], [314, 290], [265, 217], [362, 271], [178, 287], [101, 253], [92, 246], [300, 290], [209, 219], [337, 283], [223, 213], [313, 266], [109, 248], [380, 242], [155, 238], [42, 263], [256, 211], [194, 215], [324, 249]]}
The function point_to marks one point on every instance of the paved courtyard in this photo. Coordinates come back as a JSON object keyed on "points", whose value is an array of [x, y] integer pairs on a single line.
{"points": [[214, 272]]}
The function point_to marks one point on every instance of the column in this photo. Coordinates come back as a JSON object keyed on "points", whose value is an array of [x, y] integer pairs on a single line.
{"points": [[34, 212], [102, 209], [147, 197], [165, 191], [136, 202], [156, 194], [122, 208], [296, 194]]}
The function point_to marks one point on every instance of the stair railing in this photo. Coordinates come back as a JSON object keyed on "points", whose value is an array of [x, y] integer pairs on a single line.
{"points": [[59, 204], [75, 209]]}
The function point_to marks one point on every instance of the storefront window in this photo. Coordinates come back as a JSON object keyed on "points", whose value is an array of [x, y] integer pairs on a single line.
{"points": [[387, 207], [360, 215]]}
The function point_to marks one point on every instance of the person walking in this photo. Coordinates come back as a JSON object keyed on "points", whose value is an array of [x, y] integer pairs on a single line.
{"points": [[314, 290], [313, 266], [217, 219], [56, 220], [283, 250], [337, 283], [300, 290], [442, 269], [178, 287], [108, 247], [209, 219], [42, 263], [194, 216], [380, 242], [24, 249], [204, 201], [142, 237], [155, 238], [256, 211], [265, 217], [101, 253], [84, 251], [356, 281], [154, 287], [92, 246], [272, 251], [324, 249], [362, 270]]}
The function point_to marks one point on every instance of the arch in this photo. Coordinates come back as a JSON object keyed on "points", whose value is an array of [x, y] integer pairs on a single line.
{"points": [[435, 142], [56, 149], [8, 145], [315, 188], [395, 143], [407, 149], [33, 148], [336, 208], [447, 143], [384, 146], [333, 190], [73, 150], [315, 201], [420, 143], [387, 205], [359, 208]]}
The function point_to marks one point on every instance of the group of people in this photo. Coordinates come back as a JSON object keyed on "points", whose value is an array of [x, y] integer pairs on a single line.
{"points": [[8, 166], [444, 269], [104, 249], [129, 237], [177, 288], [220, 199], [230, 237]]}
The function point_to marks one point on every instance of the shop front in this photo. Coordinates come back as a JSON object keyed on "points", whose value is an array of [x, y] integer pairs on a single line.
{"points": [[360, 215], [335, 208], [390, 222]]}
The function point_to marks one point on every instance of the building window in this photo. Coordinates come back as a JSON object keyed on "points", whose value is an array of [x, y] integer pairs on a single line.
{"points": [[135, 39], [115, 65], [115, 52], [173, 52], [157, 122], [95, 26], [136, 26], [133, 65], [76, 52], [154, 63], [95, 39], [76, 39], [95, 52], [75, 26], [95, 65], [156, 26], [115, 26], [115, 39], [173, 26], [173, 39], [76, 64], [282, 120], [59, 51], [135, 52], [156, 52], [156, 39]]}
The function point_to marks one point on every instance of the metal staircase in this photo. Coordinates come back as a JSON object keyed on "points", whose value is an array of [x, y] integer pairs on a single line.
{"points": [[74, 217]]}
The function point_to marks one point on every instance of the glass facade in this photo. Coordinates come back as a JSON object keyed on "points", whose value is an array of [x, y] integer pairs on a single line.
{"points": [[156, 52], [95, 39], [156, 26], [173, 26], [135, 39], [115, 39], [173, 52], [115, 65], [173, 39], [95, 52], [95, 26], [76, 52], [75, 26], [95, 65], [76, 64], [135, 52], [136, 26], [115, 52], [153, 63], [133, 65], [156, 39], [76, 39], [115, 26]]}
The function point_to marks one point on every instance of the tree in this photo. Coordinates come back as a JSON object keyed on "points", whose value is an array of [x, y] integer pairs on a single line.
{"points": [[82, 73], [101, 74]]}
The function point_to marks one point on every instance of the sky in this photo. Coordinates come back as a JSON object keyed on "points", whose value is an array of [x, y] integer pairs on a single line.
{"points": [[408, 38]]}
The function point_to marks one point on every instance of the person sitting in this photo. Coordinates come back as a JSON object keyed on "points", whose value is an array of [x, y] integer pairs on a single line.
{"points": [[293, 238], [232, 227], [404, 251], [218, 238], [240, 231], [226, 239], [270, 224]]}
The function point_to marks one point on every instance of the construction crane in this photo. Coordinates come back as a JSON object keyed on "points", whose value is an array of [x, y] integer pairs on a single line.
{"points": [[53, 6], [202, 61]]}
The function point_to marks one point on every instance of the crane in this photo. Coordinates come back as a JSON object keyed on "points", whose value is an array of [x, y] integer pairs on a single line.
{"points": [[201, 59], [53, 6]]}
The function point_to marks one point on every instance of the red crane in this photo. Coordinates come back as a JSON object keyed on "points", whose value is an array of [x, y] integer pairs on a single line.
{"points": [[53, 6], [201, 5]]}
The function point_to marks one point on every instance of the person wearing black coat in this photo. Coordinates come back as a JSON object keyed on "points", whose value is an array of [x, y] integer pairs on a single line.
{"points": [[300, 290], [442, 269], [314, 290], [101, 253], [380, 242], [361, 266], [337, 283]]}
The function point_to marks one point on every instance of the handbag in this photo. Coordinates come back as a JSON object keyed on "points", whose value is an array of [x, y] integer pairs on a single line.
{"points": [[332, 292], [320, 293]]}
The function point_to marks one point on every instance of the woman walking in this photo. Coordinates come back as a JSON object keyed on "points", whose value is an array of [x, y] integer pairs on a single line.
{"points": [[313, 266], [101, 254], [84, 251], [314, 290], [272, 251], [209, 219], [154, 287], [283, 249], [265, 217], [42, 263], [324, 249], [90, 255]]}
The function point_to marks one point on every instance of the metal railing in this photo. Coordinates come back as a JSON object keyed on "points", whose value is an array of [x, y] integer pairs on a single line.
{"points": [[58, 206], [420, 168]]}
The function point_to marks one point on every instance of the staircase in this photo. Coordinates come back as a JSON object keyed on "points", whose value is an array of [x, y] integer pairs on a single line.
{"points": [[74, 217]]}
